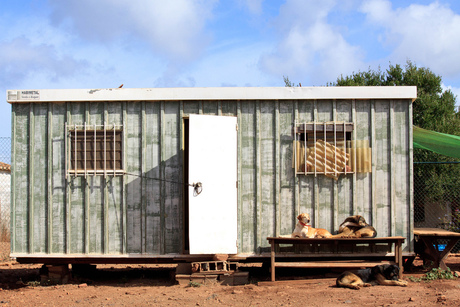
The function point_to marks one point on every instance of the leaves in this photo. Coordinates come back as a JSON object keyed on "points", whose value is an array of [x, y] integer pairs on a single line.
{"points": [[435, 274], [434, 109]]}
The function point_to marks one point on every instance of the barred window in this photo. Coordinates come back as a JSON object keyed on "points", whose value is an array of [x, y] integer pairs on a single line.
{"points": [[95, 149], [327, 148]]}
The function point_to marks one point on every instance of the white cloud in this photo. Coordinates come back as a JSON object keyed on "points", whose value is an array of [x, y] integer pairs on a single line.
{"points": [[173, 28], [426, 34], [310, 47], [237, 66], [20, 58], [254, 6]]}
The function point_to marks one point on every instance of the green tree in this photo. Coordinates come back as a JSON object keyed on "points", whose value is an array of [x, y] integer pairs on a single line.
{"points": [[288, 83], [434, 109]]}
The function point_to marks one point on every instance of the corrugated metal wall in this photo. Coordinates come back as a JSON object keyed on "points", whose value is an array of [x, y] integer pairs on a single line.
{"points": [[128, 214]]}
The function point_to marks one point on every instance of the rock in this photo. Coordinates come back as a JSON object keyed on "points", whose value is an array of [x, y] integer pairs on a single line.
{"points": [[442, 298], [83, 285], [220, 257]]}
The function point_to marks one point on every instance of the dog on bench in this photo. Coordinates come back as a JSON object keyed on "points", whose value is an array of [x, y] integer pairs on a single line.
{"points": [[303, 230], [385, 275], [355, 226]]}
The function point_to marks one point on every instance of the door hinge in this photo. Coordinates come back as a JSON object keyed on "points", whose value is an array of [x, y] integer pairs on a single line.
{"points": [[237, 184], [236, 127]]}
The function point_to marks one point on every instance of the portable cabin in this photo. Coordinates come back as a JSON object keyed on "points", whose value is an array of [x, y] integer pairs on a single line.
{"points": [[170, 174]]}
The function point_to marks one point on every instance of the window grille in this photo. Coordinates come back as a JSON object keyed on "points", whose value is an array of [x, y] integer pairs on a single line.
{"points": [[327, 148], [94, 150]]}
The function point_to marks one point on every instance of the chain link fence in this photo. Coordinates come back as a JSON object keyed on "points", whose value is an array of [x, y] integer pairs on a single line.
{"points": [[437, 196], [5, 181]]}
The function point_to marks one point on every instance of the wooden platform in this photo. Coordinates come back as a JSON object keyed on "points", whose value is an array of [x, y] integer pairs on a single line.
{"points": [[335, 243], [330, 264]]}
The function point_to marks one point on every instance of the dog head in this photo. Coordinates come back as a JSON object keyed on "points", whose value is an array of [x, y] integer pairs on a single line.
{"points": [[389, 271], [304, 218], [357, 219]]}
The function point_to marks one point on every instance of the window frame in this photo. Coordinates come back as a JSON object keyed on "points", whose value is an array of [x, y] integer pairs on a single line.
{"points": [[107, 134], [301, 130]]}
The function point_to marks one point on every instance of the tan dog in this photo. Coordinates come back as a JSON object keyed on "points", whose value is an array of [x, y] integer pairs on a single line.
{"points": [[355, 226], [303, 230]]}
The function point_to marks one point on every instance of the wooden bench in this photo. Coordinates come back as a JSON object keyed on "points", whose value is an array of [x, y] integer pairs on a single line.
{"points": [[428, 241], [335, 247]]}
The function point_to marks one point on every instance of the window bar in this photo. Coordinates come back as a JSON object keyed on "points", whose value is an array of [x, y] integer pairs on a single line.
{"points": [[105, 150], [355, 167], [344, 145], [305, 148], [114, 145], [94, 166], [84, 146], [295, 147], [75, 152], [66, 153], [325, 147], [122, 145], [314, 145], [335, 149]]}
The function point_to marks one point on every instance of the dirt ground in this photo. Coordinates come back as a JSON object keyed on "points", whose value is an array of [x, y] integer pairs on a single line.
{"points": [[144, 285]]}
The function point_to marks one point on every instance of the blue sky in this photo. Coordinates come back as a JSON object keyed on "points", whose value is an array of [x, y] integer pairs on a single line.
{"points": [[210, 43]]}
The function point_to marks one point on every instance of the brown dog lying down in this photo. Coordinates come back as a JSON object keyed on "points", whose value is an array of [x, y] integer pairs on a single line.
{"points": [[385, 275], [303, 230], [355, 226]]}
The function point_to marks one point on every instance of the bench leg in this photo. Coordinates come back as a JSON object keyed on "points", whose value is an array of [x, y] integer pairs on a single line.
{"points": [[272, 261], [398, 257]]}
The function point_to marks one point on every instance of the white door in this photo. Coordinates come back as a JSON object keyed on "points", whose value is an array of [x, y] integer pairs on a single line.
{"points": [[213, 162]]}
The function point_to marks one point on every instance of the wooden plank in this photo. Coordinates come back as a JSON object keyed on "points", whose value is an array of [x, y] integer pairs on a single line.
{"points": [[124, 196], [240, 178], [277, 168], [267, 145], [257, 179], [39, 159], [59, 188], [329, 264], [49, 180], [433, 232], [293, 282], [30, 217], [133, 184], [280, 240], [248, 178], [289, 191], [172, 161], [316, 255]]}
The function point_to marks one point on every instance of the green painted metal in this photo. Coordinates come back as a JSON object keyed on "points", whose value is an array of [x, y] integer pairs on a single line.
{"points": [[135, 214]]}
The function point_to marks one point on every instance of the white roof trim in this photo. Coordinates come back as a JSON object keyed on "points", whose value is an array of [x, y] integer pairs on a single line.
{"points": [[213, 93]]}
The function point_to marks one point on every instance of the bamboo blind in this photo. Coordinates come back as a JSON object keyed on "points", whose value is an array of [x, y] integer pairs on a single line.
{"points": [[327, 159]]}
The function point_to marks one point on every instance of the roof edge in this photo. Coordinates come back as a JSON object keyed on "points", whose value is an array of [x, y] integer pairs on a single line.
{"points": [[212, 93]]}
